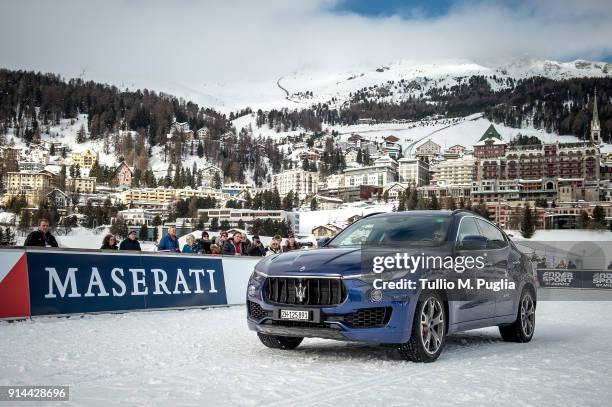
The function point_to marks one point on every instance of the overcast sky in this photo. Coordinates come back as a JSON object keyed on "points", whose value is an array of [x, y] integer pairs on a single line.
{"points": [[195, 41]]}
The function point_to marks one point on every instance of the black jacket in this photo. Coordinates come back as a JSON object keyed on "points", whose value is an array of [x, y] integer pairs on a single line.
{"points": [[106, 246], [38, 238], [128, 244], [256, 250]]}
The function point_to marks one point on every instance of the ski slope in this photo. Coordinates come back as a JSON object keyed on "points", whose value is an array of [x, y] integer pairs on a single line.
{"points": [[208, 357]]}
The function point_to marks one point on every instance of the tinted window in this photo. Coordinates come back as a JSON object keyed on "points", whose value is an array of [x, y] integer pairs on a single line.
{"points": [[391, 230], [496, 238], [467, 227]]}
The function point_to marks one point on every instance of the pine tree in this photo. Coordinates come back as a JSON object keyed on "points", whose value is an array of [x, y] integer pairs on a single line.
{"points": [[240, 224], [314, 205], [81, 135], [143, 233], [214, 224], [25, 220], [528, 222], [402, 204], [2, 238], [599, 217], [413, 201], [9, 237], [434, 204], [288, 201], [217, 181]]}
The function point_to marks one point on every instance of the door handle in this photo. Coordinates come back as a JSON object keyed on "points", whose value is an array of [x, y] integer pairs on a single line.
{"points": [[488, 264]]}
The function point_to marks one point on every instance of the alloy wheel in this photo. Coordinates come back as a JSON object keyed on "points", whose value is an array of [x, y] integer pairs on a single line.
{"points": [[432, 325]]}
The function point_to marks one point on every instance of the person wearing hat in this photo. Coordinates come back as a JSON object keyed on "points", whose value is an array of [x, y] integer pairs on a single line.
{"points": [[131, 243], [256, 248], [292, 244], [204, 243]]}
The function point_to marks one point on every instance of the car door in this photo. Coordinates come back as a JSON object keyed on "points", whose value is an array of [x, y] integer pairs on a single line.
{"points": [[496, 266], [477, 304]]}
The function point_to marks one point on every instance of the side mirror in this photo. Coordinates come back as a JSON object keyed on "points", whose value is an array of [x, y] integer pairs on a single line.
{"points": [[322, 242], [473, 242]]}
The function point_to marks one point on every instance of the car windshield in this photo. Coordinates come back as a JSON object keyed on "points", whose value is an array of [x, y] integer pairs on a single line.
{"points": [[393, 230]]}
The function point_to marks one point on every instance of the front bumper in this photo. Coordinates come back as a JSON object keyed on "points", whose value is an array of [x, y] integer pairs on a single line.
{"points": [[333, 322]]}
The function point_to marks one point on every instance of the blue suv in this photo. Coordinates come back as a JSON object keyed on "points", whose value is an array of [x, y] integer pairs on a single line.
{"points": [[334, 292]]}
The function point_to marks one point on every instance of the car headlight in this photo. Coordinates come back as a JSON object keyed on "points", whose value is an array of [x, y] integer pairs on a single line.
{"points": [[258, 276]]}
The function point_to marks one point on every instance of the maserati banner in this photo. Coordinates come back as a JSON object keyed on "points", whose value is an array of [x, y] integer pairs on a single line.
{"points": [[73, 282]]}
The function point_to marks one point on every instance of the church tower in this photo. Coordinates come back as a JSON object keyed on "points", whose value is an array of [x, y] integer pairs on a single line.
{"points": [[595, 126]]}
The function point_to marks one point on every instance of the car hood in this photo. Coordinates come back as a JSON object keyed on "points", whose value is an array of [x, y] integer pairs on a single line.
{"points": [[322, 261], [334, 261]]}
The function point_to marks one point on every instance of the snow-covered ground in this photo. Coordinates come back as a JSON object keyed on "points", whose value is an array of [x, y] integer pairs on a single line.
{"points": [[209, 357], [83, 238]]}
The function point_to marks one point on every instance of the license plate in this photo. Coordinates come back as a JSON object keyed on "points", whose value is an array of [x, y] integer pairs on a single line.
{"points": [[295, 315]]}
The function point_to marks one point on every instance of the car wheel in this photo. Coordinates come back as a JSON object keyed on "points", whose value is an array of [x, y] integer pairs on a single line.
{"points": [[280, 342], [428, 333], [522, 329]]}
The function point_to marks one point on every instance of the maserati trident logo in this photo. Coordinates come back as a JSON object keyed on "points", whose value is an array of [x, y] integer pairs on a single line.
{"points": [[300, 292]]}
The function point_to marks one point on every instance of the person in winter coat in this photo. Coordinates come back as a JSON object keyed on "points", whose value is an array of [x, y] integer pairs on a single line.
{"points": [[256, 248], [204, 243], [235, 246], [41, 237], [191, 246], [131, 243], [169, 243], [274, 248], [109, 243], [292, 244]]}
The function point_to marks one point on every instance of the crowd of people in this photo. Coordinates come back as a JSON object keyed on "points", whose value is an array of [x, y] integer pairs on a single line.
{"points": [[237, 245]]}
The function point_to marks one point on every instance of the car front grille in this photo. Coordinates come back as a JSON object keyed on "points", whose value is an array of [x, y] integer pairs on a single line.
{"points": [[368, 317], [314, 291], [256, 312]]}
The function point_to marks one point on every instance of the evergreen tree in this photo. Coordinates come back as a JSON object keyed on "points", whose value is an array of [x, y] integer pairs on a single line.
{"points": [[288, 201], [527, 222], [9, 237], [200, 150], [81, 135], [413, 201], [586, 221], [314, 204], [214, 224], [599, 217], [120, 227], [2, 238], [433, 203], [402, 203], [275, 203], [143, 234], [25, 220], [217, 181], [225, 224], [241, 225]]}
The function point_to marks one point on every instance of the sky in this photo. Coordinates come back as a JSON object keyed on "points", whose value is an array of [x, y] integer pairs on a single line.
{"points": [[194, 42]]}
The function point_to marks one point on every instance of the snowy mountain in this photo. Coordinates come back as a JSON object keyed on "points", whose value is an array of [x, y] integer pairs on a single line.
{"points": [[303, 88]]}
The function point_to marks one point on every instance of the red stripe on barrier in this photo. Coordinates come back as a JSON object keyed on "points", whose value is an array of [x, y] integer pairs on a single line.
{"points": [[14, 292]]}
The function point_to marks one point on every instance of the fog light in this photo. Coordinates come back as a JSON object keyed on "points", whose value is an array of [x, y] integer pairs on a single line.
{"points": [[376, 295], [251, 291]]}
